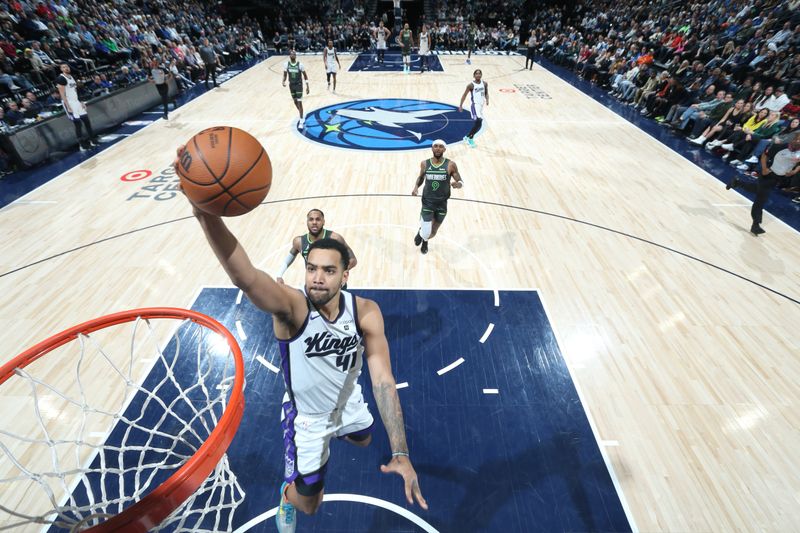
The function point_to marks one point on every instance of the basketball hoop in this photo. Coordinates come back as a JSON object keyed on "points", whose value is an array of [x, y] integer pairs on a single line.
{"points": [[162, 459]]}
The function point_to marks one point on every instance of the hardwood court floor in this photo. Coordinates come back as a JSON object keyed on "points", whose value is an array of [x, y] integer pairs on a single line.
{"points": [[688, 368]]}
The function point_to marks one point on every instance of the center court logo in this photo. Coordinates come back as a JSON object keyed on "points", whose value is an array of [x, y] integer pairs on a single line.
{"points": [[386, 124]]}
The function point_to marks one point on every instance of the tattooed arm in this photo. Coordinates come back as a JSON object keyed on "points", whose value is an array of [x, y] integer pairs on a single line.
{"points": [[385, 392]]}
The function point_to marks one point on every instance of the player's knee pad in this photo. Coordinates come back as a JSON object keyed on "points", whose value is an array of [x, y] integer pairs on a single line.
{"points": [[425, 229]]}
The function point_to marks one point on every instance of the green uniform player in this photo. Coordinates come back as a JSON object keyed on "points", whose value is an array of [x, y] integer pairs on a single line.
{"points": [[436, 173], [471, 31], [315, 222], [406, 39], [295, 72]]}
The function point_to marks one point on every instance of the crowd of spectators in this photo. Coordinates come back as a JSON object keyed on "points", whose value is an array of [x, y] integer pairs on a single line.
{"points": [[109, 44], [724, 74], [298, 25]]}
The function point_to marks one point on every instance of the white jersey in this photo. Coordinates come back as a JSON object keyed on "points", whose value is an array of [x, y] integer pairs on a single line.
{"points": [[478, 93], [381, 33], [424, 45], [322, 362], [71, 96], [330, 60]]}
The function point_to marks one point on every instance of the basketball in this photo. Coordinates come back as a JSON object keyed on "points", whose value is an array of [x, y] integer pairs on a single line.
{"points": [[225, 171]]}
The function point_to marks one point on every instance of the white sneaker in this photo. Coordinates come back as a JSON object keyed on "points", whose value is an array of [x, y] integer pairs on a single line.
{"points": [[728, 146], [698, 141], [714, 144], [301, 123], [286, 517], [752, 160]]}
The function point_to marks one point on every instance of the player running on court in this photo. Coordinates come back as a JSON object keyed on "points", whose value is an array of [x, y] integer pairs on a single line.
{"points": [[296, 72], [480, 96], [436, 173]]}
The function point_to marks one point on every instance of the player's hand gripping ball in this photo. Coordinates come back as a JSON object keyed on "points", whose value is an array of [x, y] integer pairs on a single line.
{"points": [[224, 171]]}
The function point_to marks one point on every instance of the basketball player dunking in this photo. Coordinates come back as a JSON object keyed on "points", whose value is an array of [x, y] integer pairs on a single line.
{"points": [[331, 60], [424, 48], [296, 72], [324, 334], [436, 173], [405, 39], [381, 37], [315, 221], [480, 96]]}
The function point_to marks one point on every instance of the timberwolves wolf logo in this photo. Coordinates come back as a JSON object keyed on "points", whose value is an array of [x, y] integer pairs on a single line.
{"points": [[386, 124]]}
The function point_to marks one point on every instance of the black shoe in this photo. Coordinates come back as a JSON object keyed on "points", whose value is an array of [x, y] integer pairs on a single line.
{"points": [[417, 239], [424, 248], [166, 117], [93, 143], [732, 185], [757, 230]]}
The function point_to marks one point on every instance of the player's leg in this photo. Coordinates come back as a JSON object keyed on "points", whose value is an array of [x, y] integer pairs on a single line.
{"points": [[306, 454], [438, 217], [356, 422], [425, 224], [334, 80], [88, 125], [477, 115], [76, 122], [328, 77]]}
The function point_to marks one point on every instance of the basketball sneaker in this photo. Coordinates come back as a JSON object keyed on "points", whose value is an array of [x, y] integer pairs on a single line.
{"points": [[468, 62], [471, 142], [286, 517], [301, 123], [417, 239], [424, 247]]}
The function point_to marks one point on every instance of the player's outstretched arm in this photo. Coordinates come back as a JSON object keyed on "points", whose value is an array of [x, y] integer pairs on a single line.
{"points": [[265, 293], [384, 388], [289, 259], [287, 304]]}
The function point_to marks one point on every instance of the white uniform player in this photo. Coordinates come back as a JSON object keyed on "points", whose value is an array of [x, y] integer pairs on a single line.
{"points": [[478, 99], [72, 104], [75, 109], [321, 365], [331, 59], [381, 37], [322, 332], [424, 49], [479, 90]]}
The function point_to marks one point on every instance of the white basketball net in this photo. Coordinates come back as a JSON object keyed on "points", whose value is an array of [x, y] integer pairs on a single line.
{"points": [[92, 436]]}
